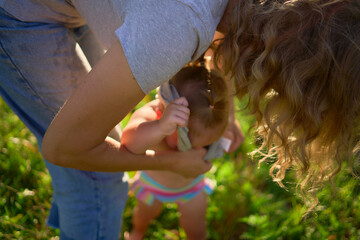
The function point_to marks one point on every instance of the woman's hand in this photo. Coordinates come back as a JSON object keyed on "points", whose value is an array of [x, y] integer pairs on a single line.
{"points": [[189, 164], [175, 114]]}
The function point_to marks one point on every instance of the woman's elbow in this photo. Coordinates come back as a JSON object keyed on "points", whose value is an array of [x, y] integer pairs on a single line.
{"points": [[51, 153]]}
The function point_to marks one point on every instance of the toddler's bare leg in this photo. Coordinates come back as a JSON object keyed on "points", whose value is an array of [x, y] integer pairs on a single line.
{"points": [[193, 217], [142, 216]]}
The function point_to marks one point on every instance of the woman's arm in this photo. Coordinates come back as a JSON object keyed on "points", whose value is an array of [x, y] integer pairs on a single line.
{"points": [[145, 131], [77, 137]]}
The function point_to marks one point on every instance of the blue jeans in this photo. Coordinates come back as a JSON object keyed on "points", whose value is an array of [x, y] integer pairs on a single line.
{"points": [[39, 69]]}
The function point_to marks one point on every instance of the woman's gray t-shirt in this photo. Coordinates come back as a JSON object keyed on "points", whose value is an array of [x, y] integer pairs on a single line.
{"points": [[158, 36]]}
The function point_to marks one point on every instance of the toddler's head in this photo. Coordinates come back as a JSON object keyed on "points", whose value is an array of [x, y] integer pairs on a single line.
{"points": [[207, 95]]}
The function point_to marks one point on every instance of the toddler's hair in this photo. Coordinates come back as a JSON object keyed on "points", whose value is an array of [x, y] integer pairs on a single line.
{"points": [[299, 63], [207, 95]]}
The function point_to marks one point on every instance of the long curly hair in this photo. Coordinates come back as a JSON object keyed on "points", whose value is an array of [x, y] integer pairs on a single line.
{"points": [[298, 61]]}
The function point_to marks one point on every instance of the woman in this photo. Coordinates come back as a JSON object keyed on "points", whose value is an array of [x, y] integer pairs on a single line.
{"points": [[147, 42]]}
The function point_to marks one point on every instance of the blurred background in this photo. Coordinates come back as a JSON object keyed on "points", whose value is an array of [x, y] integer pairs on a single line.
{"points": [[246, 203]]}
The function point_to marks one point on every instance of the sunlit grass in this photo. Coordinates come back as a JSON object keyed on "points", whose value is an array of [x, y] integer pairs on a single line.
{"points": [[25, 186]]}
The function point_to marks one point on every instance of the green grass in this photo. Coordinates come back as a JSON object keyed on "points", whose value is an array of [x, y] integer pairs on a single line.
{"points": [[245, 205], [25, 185]]}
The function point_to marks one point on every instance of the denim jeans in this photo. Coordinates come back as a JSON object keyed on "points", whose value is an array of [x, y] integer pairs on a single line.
{"points": [[39, 69]]}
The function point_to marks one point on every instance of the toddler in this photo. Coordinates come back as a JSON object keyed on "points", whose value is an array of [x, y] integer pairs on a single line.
{"points": [[196, 118]]}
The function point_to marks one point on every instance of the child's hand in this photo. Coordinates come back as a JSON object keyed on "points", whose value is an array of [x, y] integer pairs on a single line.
{"points": [[175, 114]]}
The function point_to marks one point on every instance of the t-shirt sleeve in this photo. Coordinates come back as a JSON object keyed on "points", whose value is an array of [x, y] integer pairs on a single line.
{"points": [[159, 37]]}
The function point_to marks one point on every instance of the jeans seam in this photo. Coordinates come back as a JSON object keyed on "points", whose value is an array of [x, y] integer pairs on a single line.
{"points": [[11, 61], [98, 205]]}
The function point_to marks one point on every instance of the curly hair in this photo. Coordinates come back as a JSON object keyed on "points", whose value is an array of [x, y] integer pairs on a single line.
{"points": [[298, 61]]}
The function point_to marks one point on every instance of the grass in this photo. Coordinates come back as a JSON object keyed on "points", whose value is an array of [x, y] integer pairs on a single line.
{"points": [[25, 185], [245, 205]]}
